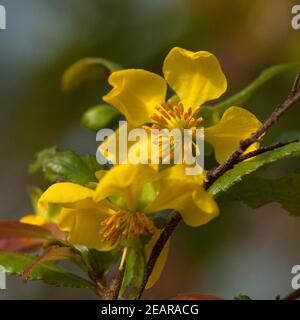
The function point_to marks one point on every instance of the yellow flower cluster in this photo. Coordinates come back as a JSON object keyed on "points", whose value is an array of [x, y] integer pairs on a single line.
{"points": [[123, 203]]}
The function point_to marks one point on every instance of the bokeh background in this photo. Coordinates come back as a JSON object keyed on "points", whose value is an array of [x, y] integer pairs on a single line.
{"points": [[242, 251]]}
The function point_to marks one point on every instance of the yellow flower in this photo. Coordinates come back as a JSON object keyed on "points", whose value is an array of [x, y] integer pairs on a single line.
{"points": [[122, 205], [195, 77], [34, 219]]}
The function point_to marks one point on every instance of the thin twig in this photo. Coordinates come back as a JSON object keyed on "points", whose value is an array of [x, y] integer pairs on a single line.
{"points": [[280, 110], [295, 84], [164, 237], [262, 150]]}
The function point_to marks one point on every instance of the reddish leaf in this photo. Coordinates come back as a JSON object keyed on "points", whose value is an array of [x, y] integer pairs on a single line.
{"points": [[52, 254], [22, 237], [15, 229], [194, 296], [20, 244]]}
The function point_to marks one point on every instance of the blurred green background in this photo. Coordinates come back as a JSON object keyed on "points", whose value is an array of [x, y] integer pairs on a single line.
{"points": [[242, 251]]}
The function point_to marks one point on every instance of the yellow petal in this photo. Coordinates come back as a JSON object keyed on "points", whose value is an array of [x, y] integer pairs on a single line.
{"points": [[34, 219], [235, 125], [184, 194], [83, 227], [126, 181], [136, 93], [196, 77], [64, 193], [161, 261]]}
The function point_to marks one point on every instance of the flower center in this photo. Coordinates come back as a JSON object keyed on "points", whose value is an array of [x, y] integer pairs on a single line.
{"points": [[173, 115], [126, 225]]}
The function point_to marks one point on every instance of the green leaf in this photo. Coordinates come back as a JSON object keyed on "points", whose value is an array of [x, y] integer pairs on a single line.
{"points": [[134, 271], [63, 166], [94, 262], [290, 135], [258, 191], [100, 117], [87, 70], [93, 164], [242, 297], [212, 114], [100, 262], [48, 272], [235, 175]]}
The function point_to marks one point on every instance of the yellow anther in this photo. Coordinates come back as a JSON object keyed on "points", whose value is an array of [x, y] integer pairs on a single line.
{"points": [[126, 225]]}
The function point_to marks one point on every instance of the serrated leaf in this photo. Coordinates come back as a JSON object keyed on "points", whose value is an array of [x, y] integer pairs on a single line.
{"points": [[100, 117], [52, 254], [87, 70], [63, 166], [50, 273], [258, 191], [235, 175], [212, 114]]}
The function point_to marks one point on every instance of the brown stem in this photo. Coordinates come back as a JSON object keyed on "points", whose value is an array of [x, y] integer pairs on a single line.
{"points": [[159, 245], [280, 110], [100, 286], [112, 292], [265, 149]]}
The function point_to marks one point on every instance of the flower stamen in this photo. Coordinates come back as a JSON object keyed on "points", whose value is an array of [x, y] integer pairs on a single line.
{"points": [[174, 116], [126, 225], [171, 116]]}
